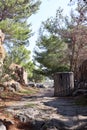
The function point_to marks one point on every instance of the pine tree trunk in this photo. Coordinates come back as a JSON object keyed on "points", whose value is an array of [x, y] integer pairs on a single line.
{"points": [[63, 83]]}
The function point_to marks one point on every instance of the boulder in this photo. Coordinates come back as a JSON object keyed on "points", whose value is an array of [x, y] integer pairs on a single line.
{"points": [[16, 86], [2, 126], [27, 115], [20, 74], [11, 89], [80, 92], [2, 87], [13, 86]]}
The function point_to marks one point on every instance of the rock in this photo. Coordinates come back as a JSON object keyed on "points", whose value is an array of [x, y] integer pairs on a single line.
{"points": [[82, 85], [81, 126], [53, 124], [27, 115], [19, 73], [2, 87], [11, 89], [31, 84], [80, 92], [9, 124], [2, 126], [22, 118], [16, 86]]}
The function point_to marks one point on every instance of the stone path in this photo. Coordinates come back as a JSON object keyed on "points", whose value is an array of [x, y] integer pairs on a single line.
{"points": [[46, 112]]}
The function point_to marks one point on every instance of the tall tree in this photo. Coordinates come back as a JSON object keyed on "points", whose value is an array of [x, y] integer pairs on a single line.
{"points": [[72, 30], [13, 22], [17, 9], [76, 35], [13, 16], [53, 56], [15, 32]]}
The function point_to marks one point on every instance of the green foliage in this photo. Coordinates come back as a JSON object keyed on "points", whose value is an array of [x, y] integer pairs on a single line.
{"points": [[61, 40], [37, 75], [27, 92], [15, 31], [18, 9], [29, 67], [53, 56], [13, 22], [21, 56], [13, 19]]}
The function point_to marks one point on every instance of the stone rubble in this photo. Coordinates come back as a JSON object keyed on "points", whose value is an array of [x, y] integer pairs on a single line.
{"points": [[50, 113]]}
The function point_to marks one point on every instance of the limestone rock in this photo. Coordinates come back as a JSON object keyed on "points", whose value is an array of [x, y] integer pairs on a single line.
{"points": [[19, 73], [16, 86], [2, 126], [11, 89], [13, 86], [2, 87], [27, 115]]}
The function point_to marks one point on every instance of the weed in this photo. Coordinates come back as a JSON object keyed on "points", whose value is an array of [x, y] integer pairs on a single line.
{"points": [[30, 105]]}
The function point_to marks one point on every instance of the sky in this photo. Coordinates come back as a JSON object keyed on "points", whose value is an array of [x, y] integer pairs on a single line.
{"points": [[47, 9]]}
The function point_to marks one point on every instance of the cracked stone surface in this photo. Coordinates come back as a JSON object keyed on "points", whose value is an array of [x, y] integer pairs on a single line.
{"points": [[50, 113]]}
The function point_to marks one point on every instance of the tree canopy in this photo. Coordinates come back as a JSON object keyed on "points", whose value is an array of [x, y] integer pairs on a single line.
{"points": [[13, 23], [53, 54], [13, 16], [18, 9], [63, 30]]}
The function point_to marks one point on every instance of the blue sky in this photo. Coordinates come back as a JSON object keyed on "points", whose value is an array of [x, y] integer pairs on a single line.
{"points": [[47, 9]]}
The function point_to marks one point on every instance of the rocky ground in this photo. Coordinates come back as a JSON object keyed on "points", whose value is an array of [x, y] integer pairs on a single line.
{"points": [[42, 111]]}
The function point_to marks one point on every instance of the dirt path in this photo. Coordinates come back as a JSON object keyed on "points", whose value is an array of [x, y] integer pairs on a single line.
{"points": [[46, 112]]}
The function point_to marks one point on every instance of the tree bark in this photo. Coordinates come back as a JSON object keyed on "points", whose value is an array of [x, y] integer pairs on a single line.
{"points": [[63, 83]]}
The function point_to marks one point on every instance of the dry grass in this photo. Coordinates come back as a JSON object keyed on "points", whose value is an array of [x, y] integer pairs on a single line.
{"points": [[8, 99]]}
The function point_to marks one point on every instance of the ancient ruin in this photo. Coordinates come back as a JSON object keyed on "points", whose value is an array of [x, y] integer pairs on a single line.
{"points": [[19, 72], [63, 83], [20, 75]]}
